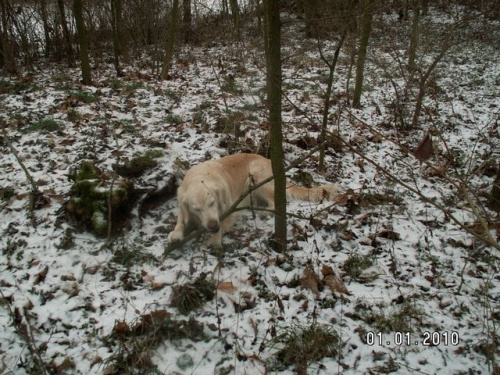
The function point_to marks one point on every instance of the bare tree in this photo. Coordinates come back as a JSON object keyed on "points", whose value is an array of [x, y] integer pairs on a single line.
{"points": [[187, 20]]}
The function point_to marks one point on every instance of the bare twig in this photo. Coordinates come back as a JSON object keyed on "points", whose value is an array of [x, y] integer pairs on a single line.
{"points": [[35, 193], [23, 328]]}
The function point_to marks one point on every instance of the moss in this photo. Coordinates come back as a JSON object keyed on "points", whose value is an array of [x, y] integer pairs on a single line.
{"points": [[88, 171], [90, 200], [99, 223]]}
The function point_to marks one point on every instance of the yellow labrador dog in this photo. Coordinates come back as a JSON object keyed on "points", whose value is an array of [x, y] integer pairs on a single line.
{"points": [[211, 187]]}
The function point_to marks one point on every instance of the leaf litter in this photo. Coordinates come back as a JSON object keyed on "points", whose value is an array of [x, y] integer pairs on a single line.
{"points": [[396, 268]]}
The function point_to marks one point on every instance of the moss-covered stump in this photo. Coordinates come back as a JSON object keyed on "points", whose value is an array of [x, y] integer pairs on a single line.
{"points": [[92, 196]]}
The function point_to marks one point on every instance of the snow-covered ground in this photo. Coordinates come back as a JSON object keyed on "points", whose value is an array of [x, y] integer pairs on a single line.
{"points": [[425, 298]]}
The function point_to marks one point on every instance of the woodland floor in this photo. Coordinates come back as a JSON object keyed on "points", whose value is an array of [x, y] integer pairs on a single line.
{"points": [[423, 293]]}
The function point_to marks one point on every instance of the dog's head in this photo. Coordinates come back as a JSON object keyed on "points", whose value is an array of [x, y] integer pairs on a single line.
{"points": [[204, 205]]}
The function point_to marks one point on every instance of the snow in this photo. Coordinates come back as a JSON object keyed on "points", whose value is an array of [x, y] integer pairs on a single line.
{"points": [[72, 297]]}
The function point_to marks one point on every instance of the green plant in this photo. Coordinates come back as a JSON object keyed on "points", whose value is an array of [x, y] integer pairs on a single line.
{"points": [[401, 318], [305, 344], [355, 264], [85, 96], [191, 296], [73, 115], [173, 119], [134, 342], [43, 125]]}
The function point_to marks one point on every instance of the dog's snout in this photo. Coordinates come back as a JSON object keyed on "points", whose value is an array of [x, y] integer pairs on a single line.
{"points": [[213, 226]]}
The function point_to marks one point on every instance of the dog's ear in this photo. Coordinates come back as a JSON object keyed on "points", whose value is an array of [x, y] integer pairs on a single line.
{"points": [[222, 199]]}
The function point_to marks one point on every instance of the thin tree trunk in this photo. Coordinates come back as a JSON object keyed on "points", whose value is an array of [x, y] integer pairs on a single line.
{"points": [[412, 50], [324, 125], [122, 42], [423, 83], [235, 11], [276, 136], [187, 21], [169, 49], [9, 58], [363, 47], [116, 43], [68, 48], [311, 14], [265, 6], [45, 22], [82, 41]]}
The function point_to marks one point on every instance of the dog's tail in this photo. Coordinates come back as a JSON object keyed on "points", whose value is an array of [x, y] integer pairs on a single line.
{"points": [[315, 194]]}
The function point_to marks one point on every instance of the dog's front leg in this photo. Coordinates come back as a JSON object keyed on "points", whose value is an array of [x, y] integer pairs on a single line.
{"points": [[178, 233]]}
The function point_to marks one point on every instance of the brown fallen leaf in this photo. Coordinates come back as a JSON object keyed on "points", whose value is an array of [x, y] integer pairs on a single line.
{"points": [[333, 281], [311, 281], [227, 286], [424, 150]]}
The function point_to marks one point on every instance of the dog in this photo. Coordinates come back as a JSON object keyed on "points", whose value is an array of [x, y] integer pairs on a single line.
{"points": [[211, 187]]}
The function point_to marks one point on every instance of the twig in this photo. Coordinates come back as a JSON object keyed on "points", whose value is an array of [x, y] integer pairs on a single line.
{"points": [[24, 330], [110, 208], [34, 193]]}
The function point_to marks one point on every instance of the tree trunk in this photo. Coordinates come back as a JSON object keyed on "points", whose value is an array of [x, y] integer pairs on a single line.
{"points": [[45, 22], [122, 42], [9, 59], [276, 136], [363, 47], [324, 125], [415, 31], [311, 14], [169, 48], [235, 11], [68, 48], [187, 21], [423, 83], [118, 43], [82, 41]]}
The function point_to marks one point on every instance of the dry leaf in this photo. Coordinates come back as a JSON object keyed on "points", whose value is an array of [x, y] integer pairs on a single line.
{"points": [[341, 199], [333, 281], [424, 149], [121, 328], [311, 281], [227, 286]]}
